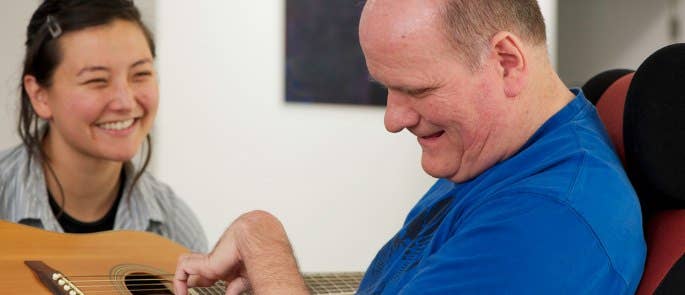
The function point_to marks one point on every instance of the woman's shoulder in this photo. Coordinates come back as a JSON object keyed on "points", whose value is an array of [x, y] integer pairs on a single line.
{"points": [[162, 193], [149, 185], [184, 227], [12, 155], [12, 162], [14, 179]]}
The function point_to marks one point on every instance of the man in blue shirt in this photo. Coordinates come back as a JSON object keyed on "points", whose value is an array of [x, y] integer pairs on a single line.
{"points": [[531, 198]]}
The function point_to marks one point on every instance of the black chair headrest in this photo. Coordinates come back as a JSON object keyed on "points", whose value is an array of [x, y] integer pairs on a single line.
{"points": [[654, 129]]}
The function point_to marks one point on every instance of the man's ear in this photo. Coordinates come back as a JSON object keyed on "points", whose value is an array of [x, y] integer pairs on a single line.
{"points": [[38, 96], [512, 62]]}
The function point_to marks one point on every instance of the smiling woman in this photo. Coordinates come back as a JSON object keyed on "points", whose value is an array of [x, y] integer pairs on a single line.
{"points": [[89, 99]]}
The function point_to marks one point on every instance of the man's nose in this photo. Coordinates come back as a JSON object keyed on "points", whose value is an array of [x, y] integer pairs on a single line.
{"points": [[399, 113]]}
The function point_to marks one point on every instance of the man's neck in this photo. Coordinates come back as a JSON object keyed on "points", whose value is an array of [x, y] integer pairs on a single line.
{"points": [[545, 99], [551, 98]]}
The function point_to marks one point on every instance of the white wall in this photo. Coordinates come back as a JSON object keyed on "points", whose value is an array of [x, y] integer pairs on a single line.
{"points": [[595, 36], [550, 12], [228, 143], [13, 24]]}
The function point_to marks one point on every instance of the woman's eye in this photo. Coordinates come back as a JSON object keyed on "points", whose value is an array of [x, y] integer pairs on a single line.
{"points": [[143, 74], [96, 81]]}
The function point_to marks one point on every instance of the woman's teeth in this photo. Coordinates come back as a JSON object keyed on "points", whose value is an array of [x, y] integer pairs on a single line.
{"points": [[120, 125]]}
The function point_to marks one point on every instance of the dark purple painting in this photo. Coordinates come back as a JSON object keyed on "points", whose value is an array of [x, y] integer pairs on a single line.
{"points": [[324, 62]]}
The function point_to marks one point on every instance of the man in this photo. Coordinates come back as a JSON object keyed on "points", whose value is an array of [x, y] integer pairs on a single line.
{"points": [[531, 197]]}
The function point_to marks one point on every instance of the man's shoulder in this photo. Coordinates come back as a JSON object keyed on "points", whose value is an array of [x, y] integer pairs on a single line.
{"points": [[570, 160], [576, 168], [593, 191]]}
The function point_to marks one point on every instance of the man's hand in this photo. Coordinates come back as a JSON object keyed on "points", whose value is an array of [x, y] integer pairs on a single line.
{"points": [[253, 254]]}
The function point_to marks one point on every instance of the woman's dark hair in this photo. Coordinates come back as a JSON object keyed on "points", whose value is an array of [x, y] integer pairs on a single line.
{"points": [[52, 19]]}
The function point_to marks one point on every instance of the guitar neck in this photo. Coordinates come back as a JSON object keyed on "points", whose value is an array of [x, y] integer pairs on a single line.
{"points": [[318, 283], [333, 283]]}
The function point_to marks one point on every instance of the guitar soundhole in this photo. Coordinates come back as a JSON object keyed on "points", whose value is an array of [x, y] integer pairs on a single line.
{"points": [[146, 284]]}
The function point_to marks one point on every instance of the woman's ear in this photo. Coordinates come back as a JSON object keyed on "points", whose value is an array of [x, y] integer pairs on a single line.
{"points": [[38, 96], [512, 62]]}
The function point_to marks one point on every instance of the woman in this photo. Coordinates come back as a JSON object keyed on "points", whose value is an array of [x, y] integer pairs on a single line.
{"points": [[89, 98]]}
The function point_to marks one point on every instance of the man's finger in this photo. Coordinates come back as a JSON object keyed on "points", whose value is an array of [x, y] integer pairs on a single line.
{"points": [[198, 281], [192, 265], [238, 286]]}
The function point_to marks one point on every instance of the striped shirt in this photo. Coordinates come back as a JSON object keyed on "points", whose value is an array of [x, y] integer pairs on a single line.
{"points": [[151, 206]]}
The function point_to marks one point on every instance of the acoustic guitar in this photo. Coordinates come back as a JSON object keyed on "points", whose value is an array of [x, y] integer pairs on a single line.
{"points": [[114, 262]]}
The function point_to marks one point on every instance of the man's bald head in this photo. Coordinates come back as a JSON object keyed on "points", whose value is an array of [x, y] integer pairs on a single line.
{"points": [[466, 25], [394, 23]]}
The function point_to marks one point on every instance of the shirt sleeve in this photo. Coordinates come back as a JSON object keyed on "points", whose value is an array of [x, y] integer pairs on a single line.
{"points": [[519, 244]]}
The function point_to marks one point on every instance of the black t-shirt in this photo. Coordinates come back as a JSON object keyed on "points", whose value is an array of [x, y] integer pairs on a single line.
{"points": [[72, 225]]}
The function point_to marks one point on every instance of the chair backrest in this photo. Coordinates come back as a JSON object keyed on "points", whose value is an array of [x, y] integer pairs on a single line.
{"points": [[644, 113]]}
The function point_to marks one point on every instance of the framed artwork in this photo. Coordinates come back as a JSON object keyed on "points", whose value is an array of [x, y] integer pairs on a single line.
{"points": [[324, 61]]}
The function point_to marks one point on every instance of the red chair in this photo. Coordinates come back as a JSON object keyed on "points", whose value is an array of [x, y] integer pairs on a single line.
{"points": [[644, 113]]}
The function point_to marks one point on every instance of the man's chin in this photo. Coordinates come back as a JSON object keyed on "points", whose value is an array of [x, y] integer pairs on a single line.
{"points": [[453, 174], [438, 172]]}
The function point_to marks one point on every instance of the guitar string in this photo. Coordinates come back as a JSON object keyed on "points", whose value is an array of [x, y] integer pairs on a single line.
{"points": [[128, 280], [335, 280], [337, 284], [203, 290], [200, 290], [317, 283], [115, 291], [307, 276], [131, 275], [154, 286], [129, 285], [169, 280], [106, 289], [81, 277], [159, 287], [151, 282]]}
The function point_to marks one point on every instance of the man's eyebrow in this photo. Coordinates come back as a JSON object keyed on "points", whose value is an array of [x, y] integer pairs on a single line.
{"points": [[92, 69]]}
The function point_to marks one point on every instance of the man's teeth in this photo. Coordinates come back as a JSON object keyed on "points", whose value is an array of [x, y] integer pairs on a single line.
{"points": [[121, 125]]}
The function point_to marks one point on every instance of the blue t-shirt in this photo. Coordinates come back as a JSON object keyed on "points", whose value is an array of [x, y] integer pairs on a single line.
{"points": [[558, 217]]}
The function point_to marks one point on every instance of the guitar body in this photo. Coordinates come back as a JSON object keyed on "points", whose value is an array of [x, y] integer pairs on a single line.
{"points": [[113, 262], [99, 254]]}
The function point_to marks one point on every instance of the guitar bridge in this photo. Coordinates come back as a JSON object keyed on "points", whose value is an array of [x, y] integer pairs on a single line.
{"points": [[57, 283]]}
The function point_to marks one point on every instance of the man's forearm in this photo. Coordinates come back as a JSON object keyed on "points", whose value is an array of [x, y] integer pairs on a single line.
{"points": [[268, 258], [278, 275]]}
